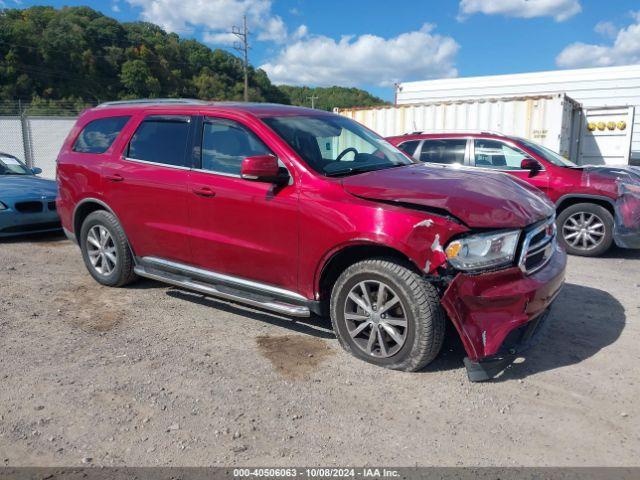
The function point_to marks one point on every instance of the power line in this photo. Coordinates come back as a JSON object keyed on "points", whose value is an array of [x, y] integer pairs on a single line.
{"points": [[313, 99], [242, 46]]}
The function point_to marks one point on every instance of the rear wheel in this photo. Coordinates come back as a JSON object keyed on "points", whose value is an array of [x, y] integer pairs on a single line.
{"points": [[105, 250], [585, 229], [386, 314]]}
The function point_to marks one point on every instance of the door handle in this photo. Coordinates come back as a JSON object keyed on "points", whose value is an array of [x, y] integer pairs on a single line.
{"points": [[114, 178], [204, 192]]}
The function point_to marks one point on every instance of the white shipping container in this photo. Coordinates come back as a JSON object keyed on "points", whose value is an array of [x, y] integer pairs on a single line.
{"points": [[606, 94], [554, 120]]}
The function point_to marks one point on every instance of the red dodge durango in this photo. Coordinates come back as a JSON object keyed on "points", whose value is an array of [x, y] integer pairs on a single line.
{"points": [[300, 211]]}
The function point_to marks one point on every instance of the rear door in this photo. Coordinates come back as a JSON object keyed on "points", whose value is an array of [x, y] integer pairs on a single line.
{"points": [[492, 154], [146, 185], [240, 227]]}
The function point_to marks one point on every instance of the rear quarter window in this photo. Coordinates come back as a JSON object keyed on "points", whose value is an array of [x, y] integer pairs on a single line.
{"points": [[98, 135]]}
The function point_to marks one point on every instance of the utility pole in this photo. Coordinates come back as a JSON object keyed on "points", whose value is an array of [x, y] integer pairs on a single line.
{"points": [[313, 99], [242, 46]]}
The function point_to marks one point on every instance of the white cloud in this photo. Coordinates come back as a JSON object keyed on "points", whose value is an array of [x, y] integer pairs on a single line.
{"points": [[364, 60], [625, 50], [215, 17], [183, 15], [219, 38], [274, 30], [560, 10], [607, 29]]}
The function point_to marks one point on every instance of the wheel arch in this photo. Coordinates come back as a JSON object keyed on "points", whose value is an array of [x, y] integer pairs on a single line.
{"points": [[572, 199], [344, 256], [86, 207]]}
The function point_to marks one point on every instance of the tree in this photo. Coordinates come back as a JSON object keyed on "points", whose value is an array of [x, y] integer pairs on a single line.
{"points": [[331, 97], [77, 55]]}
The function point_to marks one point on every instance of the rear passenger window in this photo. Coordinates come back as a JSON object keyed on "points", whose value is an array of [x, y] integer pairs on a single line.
{"points": [[226, 143], [409, 147], [494, 154], [161, 140], [445, 151], [98, 135]]}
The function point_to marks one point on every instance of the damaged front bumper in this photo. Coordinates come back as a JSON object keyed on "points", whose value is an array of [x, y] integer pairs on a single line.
{"points": [[499, 314], [626, 231]]}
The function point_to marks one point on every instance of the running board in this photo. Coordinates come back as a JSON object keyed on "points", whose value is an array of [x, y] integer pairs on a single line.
{"points": [[257, 300]]}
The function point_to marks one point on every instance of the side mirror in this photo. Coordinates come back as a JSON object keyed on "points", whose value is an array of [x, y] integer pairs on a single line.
{"points": [[36, 171], [264, 168], [530, 164]]}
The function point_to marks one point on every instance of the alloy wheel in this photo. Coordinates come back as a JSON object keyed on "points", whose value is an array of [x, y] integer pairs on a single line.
{"points": [[376, 318], [101, 250], [583, 230]]}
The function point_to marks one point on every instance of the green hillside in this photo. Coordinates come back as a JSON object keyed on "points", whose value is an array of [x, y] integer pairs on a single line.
{"points": [[75, 56], [331, 97]]}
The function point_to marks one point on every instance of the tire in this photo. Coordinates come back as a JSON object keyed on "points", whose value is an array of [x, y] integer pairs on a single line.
{"points": [[417, 301], [111, 274], [594, 241]]}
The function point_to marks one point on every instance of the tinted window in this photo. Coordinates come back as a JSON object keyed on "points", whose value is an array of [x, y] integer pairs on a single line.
{"points": [[226, 143], [494, 154], [97, 136], [409, 147], [161, 141], [444, 151]]}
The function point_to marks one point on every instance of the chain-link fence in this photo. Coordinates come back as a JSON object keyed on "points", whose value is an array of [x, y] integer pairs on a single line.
{"points": [[34, 132]]}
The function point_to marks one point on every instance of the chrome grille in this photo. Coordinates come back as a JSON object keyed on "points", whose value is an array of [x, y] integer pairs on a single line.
{"points": [[538, 246]]}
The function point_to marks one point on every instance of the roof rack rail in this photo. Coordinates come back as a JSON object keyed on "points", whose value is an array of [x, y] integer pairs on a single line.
{"points": [[155, 101], [484, 132]]}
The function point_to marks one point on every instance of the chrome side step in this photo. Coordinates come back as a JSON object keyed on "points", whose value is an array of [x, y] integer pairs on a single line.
{"points": [[258, 299]]}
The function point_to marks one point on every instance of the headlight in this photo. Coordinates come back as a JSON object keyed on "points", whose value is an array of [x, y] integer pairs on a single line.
{"points": [[483, 251], [2, 206]]}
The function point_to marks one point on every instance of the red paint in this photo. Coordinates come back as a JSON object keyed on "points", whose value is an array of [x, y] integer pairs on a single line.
{"points": [[284, 235]]}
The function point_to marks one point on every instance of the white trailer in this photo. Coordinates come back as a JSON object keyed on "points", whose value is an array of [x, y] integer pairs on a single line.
{"points": [[609, 94], [552, 120]]}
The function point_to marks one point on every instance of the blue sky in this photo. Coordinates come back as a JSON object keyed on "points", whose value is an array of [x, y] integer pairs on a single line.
{"points": [[374, 43]]}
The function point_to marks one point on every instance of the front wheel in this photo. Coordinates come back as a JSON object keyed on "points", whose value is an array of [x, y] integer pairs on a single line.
{"points": [[386, 314], [585, 229]]}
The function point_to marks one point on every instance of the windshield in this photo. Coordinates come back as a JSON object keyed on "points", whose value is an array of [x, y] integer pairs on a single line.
{"points": [[336, 146], [548, 155], [12, 166]]}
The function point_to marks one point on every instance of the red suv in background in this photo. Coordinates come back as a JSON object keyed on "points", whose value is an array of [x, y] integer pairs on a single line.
{"points": [[595, 205], [298, 211]]}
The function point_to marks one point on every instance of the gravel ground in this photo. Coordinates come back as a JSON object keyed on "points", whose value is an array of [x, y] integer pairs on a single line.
{"points": [[152, 375]]}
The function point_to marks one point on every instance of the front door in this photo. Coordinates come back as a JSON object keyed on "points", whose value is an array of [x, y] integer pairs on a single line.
{"points": [[498, 155], [242, 228]]}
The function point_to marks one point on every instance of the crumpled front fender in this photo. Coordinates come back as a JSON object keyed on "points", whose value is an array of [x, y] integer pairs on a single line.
{"points": [[485, 308]]}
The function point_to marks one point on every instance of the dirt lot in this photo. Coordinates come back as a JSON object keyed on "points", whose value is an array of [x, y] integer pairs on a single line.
{"points": [[152, 375]]}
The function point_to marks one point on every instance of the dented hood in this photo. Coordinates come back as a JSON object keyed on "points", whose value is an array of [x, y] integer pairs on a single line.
{"points": [[479, 199]]}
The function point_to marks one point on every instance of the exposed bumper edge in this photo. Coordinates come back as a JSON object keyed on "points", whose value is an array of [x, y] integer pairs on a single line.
{"points": [[488, 367], [488, 310]]}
